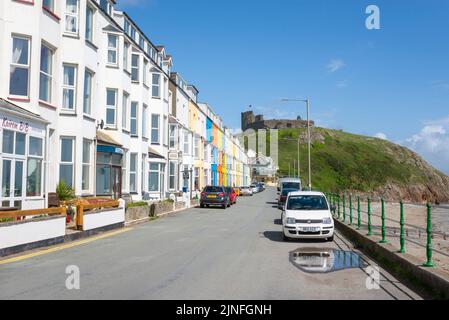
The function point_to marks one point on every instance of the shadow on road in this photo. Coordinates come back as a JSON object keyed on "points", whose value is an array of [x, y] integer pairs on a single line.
{"points": [[278, 222], [276, 236], [272, 203]]}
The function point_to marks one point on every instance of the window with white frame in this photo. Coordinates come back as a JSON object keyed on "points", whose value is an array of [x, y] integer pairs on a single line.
{"points": [[111, 107], [135, 67], [196, 148], [186, 142], [155, 125], [71, 16], [48, 5], [172, 175], [133, 118], [69, 87], [172, 136], [143, 172], [66, 166], [112, 49], [90, 14], [164, 131], [145, 70], [34, 167], [156, 85], [125, 104], [153, 177], [126, 49], [87, 95], [20, 67], [133, 172], [46, 74], [87, 146], [144, 120]]}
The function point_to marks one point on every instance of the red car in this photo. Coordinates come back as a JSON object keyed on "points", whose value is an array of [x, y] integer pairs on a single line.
{"points": [[232, 195]]}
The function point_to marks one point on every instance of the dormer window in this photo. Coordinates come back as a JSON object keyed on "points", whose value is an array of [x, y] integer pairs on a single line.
{"points": [[106, 6]]}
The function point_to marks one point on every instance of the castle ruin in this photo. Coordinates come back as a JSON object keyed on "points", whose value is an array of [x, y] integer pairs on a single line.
{"points": [[257, 122]]}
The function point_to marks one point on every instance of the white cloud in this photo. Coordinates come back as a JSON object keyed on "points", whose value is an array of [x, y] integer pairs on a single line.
{"points": [[335, 65], [381, 135], [432, 142]]}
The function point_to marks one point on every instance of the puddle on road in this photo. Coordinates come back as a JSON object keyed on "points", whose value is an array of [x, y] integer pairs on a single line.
{"points": [[325, 260]]}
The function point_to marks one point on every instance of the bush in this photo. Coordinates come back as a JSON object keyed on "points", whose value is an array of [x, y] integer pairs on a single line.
{"points": [[64, 192], [137, 204]]}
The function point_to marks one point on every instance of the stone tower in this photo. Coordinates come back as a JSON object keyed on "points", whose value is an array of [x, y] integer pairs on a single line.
{"points": [[247, 119]]}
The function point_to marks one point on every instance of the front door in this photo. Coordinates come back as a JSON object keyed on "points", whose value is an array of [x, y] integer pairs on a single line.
{"points": [[12, 182], [116, 182]]}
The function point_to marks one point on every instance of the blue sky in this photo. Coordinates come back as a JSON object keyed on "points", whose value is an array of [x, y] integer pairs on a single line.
{"points": [[392, 82]]}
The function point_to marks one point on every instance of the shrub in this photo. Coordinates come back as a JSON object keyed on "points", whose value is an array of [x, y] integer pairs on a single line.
{"points": [[64, 191]]}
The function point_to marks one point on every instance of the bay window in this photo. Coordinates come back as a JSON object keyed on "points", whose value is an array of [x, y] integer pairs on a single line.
{"points": [[125, 103], [69, 87], [133, 173], [71, 16], [172, 137], [20, 67], [156, 85], [155, 125], [112, 49], [46, 74], [111, 106], [87, 146], [153, 177], [144, 120], [133, 118], [172, 175], [90, 13], [135, 67], [88, 82], [66, 166]]}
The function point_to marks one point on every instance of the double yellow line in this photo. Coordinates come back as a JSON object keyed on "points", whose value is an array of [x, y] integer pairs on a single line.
{"points": [[62, 247]]}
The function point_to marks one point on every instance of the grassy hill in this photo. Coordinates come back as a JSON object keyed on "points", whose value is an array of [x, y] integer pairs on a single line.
{"points": [[347, 162]]}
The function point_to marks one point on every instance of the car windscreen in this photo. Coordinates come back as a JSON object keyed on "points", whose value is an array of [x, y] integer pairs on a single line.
{"points": [[307, 203], [213, 189], [291, 185]]}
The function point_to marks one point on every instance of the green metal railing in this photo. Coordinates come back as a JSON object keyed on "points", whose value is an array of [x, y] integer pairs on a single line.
{"points": [[340, 213]]}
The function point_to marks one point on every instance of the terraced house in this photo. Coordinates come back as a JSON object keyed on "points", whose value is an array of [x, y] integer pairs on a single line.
{"points": [[87, 98]]}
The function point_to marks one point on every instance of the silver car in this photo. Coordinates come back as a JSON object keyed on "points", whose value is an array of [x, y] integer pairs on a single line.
{"points": [[246, 191]]}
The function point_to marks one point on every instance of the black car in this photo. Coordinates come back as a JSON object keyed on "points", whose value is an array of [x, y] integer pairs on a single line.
{"points": [[215, 196]]}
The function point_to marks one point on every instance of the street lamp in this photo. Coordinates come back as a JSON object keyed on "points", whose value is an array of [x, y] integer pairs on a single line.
{"points": [[307, 101]]}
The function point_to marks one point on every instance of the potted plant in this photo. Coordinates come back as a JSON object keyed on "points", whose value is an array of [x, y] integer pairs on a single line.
{"points": [[66, 193]]}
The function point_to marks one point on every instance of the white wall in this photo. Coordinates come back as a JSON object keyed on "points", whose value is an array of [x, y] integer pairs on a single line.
{"points": [[104, 218], [29, 232]]}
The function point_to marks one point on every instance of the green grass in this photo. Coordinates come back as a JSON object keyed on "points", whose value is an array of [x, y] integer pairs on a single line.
{"points": [[137, 204], [350, 162]]}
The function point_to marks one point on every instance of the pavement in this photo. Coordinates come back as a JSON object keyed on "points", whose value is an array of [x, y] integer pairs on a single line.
{"points": [[232, 254]]}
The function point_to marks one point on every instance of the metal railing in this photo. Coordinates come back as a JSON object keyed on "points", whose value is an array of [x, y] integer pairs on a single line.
{"points": [[344, 207]]}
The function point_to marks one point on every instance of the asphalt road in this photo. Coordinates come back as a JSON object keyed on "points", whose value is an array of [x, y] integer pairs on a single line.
{"points": [[236, 253]]}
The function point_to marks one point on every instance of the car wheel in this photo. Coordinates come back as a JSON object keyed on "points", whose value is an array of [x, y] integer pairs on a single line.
{"points": [[331, 239], [202, 205], [224, 206], [284, 237]]}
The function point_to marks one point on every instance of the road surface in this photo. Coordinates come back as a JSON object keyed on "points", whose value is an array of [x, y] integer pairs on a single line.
{"points": [[236, 253]]}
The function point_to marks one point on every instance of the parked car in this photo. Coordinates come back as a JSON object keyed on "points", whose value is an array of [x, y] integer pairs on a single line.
{"points": [[263, 186], [307, 215], [255, 188], [290, 183], [283, 197], [215, 196], [246, 191], [232, 195]]}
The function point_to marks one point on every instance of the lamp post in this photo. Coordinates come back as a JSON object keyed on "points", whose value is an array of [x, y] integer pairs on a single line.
{"points": [[307, 102]]}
